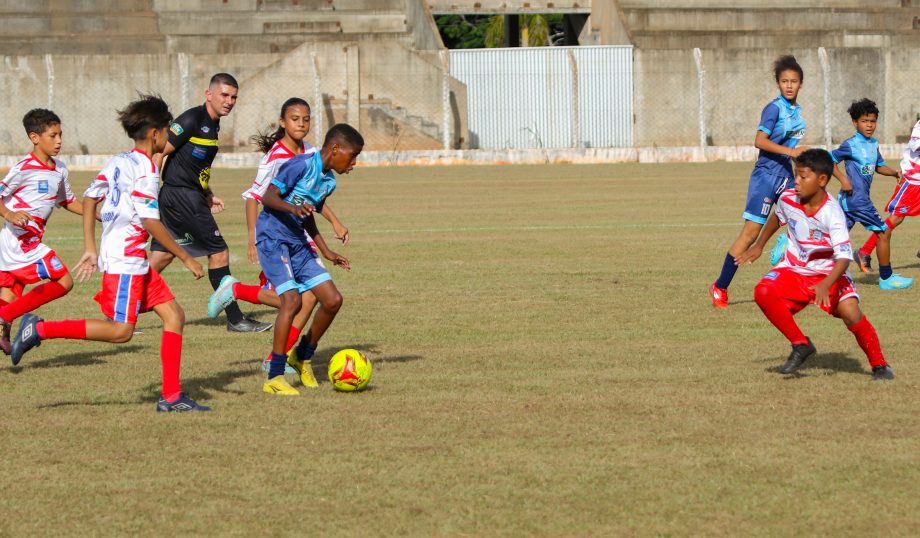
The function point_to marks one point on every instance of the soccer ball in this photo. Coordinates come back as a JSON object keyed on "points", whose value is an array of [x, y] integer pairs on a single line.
{"points": [[349, 370]]}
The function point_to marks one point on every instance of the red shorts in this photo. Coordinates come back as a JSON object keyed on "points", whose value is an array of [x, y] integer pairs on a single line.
{"points": [[794, 287], [906, 200], [123, 297], [48, 268]]}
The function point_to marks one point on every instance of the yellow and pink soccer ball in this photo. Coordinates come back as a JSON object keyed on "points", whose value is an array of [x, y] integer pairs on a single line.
{"points": [[349, 370]]}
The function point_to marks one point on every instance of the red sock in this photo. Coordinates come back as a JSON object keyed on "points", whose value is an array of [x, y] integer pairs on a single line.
{"points": [[779, 312], [171, 356], [293, 335], [246, 292], [867, 339], [37, 296], [870, 243], [73, 329]]}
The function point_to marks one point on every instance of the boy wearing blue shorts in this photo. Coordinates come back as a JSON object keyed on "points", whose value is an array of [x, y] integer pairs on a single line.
{"points": [[862, 158], [289, 263], [781, 127]]}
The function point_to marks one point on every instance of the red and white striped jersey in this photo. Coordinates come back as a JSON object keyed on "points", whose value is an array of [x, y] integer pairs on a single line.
{"points": [[816, 240], [268, 168], [130, 183], [910, 162], [35, 188]]}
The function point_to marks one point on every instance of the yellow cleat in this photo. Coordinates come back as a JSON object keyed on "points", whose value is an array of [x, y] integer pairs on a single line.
{"points": [[304, 370], [279, 385]]}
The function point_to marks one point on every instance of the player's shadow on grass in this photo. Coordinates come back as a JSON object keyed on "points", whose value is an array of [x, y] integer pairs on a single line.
{"points": [[84, 358], [865, 278], [831, 363]]}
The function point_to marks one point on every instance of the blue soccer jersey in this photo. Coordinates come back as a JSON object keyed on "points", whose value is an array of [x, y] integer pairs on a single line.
{"points": [[862, 157], [301, 180], [783, 123]]}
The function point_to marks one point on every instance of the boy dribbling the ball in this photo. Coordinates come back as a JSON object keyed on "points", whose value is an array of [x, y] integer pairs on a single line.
{"points": [[814, 269]]}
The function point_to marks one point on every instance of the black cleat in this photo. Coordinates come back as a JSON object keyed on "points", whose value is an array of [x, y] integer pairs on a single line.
{"points": [[248, 325], [800, 352], [865, 262], [26, 338], [882, 373]]}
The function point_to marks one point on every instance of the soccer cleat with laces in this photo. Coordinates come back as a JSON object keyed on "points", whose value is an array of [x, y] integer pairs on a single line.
{"points": [[303, 368], [279, 385], [864, 261], [26, 338], [222, 296], [182, 405], [895, 282], [882, 373], [779, 250], [248, 325], [719, 296], [800, 352]]}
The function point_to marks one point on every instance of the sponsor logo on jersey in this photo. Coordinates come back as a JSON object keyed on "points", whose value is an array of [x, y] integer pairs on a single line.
{"points": [[845, 248], [56, 263], [204, 129], [772, 275], [795, 134], [176, 129], [43, 186], [815, 235], [199, 152], [867, 169]]}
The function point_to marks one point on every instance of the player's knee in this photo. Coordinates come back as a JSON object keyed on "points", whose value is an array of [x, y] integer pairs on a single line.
{"points": [[334, 302], [122, 333], [221, 259], [66, 282], [290, 302], [762, 294]]}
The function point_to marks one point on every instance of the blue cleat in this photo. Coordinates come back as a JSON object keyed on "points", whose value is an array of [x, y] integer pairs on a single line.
{"points": [[26, 338], [182, 405], [779, 250], [222, 296], [894, 282]]}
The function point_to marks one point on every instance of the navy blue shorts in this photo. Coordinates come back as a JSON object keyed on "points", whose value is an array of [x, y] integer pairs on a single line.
{"points": [[763, 191], [862, 211], [291, 266]]}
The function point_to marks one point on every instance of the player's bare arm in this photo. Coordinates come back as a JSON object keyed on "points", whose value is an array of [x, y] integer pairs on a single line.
{"points": [[341, 232], [755, 250], [159, 232], [16, 218], [889, 171], [334, 257], [252, 215], [822, 295], [272, 200], [158, 158], [762, 141], [845, 185], [89, 261]]}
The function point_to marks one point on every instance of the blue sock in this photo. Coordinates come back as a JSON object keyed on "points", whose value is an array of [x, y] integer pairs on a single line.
{"points": [[277, 365], [728, 272], [305, 350], [884, 271]]}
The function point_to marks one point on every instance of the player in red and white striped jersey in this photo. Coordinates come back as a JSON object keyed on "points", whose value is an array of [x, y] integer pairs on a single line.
{"points": [[31, 190], [814, 269]]}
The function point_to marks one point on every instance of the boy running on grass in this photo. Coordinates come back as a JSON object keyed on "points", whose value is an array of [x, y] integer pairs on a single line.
{"points": [[31, 190], [129, 184], [814, 269], [862, 158], [302, 186]]}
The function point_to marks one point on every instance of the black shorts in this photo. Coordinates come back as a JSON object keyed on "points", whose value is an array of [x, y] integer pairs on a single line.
{"points": [[186, 215]]}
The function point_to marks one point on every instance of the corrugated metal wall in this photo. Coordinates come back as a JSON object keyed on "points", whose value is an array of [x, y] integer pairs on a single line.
{"points": [[551, 97]]}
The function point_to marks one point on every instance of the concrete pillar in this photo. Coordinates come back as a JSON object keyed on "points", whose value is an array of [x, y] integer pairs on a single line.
{"points": [[353, 88]]}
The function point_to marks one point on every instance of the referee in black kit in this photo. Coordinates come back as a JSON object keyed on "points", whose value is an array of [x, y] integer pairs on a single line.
{"points": [[186, 201]]}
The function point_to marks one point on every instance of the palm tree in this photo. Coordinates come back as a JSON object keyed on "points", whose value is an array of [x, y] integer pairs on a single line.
{"points": [[534, 31]]}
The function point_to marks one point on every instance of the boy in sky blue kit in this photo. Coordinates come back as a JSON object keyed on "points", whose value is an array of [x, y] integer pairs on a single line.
{"points": [[778, 134], [862, 158], [301, 188]]}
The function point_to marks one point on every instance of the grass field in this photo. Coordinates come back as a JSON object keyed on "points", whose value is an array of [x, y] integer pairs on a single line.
{"points": [[546, 363]]}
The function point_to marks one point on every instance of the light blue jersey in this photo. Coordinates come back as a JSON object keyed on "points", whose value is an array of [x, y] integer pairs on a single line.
{"points": [[301, 180], [862, 157], [784, 124]]}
